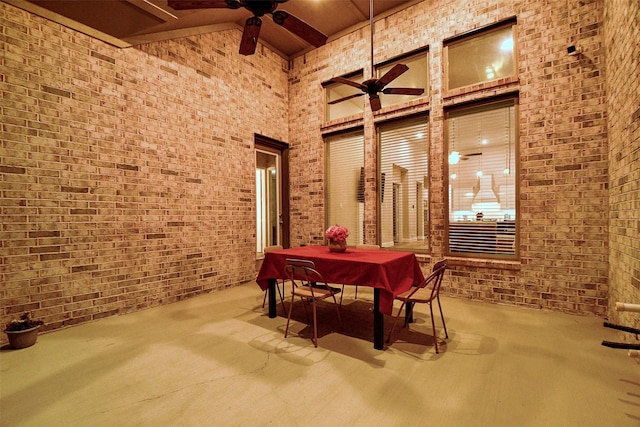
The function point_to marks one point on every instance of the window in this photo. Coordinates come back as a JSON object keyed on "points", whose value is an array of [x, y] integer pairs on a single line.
{"points": [[344, 183], [482, 153], [481, 57], [403, 184], [416, 76], [343, 100]]}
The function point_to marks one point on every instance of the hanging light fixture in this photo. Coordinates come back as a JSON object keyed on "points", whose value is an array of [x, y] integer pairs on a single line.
{"points": [[454, 156]]}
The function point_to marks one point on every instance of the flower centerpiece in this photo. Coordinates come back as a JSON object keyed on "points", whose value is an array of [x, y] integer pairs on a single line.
{"points": [[337, 235], [22, 332]]}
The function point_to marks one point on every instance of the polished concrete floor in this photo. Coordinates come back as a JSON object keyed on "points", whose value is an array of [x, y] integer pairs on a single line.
{"points": [[218, 360]]}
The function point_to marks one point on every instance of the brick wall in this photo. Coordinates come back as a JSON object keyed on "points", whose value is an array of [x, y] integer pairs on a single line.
{"points": [[563, 144], [127, 175], [622, 41]]}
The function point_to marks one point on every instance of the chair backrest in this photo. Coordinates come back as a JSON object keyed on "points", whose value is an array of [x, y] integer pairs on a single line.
{"points": [[434, 281], [272, 248], [367, 246], [302, 272]]}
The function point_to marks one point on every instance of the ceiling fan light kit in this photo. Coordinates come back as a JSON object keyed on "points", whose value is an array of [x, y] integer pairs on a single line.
{"points": [[253, 24]]}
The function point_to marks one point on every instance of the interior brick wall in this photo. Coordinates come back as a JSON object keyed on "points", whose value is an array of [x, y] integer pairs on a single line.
{"points": [[563, 144], [622, 42], [127, 176]]}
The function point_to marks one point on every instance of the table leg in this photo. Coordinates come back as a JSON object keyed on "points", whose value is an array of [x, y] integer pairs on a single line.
{"points": [[271, 296], [378, 322]]}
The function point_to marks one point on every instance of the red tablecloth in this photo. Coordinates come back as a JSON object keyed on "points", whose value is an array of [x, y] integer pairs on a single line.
{"points": [[392, 272]]}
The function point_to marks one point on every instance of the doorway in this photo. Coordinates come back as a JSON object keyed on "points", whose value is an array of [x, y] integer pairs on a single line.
{"points": [[272, 197]]}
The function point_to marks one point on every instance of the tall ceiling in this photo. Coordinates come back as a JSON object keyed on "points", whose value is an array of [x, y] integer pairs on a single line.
{"points": [[126, 23]]}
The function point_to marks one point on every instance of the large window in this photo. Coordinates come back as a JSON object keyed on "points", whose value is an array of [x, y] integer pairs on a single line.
{"points": [[343, 100], [345, 183], [482, 169], [480, 57], [403, 184], [417, 76]]}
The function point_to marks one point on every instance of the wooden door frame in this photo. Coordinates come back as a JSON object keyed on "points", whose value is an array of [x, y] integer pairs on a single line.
{"points": [[262, 142]]}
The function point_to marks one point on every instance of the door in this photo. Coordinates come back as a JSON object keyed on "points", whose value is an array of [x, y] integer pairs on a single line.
{"points": [[272, 207]]}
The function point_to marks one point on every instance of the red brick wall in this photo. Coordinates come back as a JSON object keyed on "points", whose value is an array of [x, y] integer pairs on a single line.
{"points": [[563, 144], [127, 175], [622, 42]]}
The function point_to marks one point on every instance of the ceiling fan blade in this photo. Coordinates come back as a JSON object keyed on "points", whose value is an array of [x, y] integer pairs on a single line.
{"points": [[391, 75], [335, 101], [374, 100], [250, 35], [299, 28], [403, 91], [203, 4], [349, 83]]}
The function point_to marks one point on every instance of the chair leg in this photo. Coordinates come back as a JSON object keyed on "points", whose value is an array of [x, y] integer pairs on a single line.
{"points": [[315, 324], [408, 316], [338, 312], [356, 297], [395, 321], [286, 330], [446, 334], [433, 327], [280, 292]]}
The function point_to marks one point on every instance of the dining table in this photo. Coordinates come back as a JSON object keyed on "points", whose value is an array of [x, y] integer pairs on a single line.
{"points": [[388, 272]]}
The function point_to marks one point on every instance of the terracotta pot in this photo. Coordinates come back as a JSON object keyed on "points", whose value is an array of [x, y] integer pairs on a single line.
{"points": [[336, 246], [24, 338]]}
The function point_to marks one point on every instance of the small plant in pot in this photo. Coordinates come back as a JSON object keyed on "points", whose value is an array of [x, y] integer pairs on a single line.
{"points": [[22, 332]]}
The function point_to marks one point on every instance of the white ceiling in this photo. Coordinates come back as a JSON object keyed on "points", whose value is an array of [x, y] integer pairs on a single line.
{"points": [[126, 23]]}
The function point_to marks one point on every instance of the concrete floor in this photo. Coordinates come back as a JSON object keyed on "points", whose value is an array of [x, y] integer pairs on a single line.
{"points": [[218, 360]]}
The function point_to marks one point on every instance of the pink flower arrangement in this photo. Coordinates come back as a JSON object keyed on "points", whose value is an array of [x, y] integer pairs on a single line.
{"points": [[337, 233]]}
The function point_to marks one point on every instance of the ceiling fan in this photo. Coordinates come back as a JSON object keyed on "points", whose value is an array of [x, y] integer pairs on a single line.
{"points": [[252, 26], [469, 155], [456, 156], [373, 86]]}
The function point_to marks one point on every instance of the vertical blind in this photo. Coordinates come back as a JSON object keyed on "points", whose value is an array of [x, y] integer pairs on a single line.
{"points": [[345, 160], [403, 183]]}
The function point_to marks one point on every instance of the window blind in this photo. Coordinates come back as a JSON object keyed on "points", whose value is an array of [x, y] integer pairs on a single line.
{"points": [[345, 160], [403, 183], [482, 179]]}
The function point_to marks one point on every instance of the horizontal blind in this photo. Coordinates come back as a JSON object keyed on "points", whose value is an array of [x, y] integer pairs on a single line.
{"points": [[345, 160], [482, 179], [403, 183]]}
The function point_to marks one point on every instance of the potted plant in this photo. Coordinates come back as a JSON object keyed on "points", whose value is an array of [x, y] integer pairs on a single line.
{"points": [[337, 235], [22, 332]]}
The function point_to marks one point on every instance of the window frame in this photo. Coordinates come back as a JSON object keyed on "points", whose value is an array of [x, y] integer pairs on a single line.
{"points": [[476, 33], [471, 106], [356, 76], [385, 183], [422, 52], [355, 236]]}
